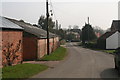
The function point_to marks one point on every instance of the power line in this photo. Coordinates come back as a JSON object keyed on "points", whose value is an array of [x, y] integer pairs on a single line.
{"points": [[56, 19], [51, 5]]}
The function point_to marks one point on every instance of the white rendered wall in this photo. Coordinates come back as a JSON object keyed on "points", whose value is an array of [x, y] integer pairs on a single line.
{"points": [[112, 41], [119, 39]]}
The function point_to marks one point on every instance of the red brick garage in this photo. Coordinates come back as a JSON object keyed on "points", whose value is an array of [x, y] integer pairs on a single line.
{"points": [[31, 35], [34, 41], [11, 42]]}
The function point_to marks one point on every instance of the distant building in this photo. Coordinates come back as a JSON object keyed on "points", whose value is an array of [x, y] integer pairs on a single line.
{"points": [[97, 34], [115, 25], [76, 32]]}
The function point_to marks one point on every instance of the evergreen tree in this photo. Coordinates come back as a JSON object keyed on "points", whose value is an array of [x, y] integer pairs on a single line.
{"points": [[88, 33]]}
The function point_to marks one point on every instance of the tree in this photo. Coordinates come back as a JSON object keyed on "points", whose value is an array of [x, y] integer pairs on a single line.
{"points": [[108, 29], [75, 27], [61, 33], [88, 33], [69, 27], [70, 37], [42, 23], [98, 30], [57, 25], [10, 53]]}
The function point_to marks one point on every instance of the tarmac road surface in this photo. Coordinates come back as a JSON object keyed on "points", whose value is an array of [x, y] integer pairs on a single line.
{"points": [[82, 63]]}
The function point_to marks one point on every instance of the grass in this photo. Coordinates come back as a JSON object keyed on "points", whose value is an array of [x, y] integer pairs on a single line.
{"points": [[90, 45], [109, 51], [93, 46], [22, 71], [57, 55]]}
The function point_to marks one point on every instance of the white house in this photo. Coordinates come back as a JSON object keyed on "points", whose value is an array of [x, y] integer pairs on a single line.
{"points": [[113, 41]]}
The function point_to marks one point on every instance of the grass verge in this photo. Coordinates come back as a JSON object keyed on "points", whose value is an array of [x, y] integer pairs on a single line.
{"points": [[93, 46], [109, 51], [22, 71], [57, 55]]}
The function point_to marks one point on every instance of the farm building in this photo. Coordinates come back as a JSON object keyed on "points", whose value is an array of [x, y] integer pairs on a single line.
{"points": [[35, 42], [111, 39], [11, 42], [115, 25]]}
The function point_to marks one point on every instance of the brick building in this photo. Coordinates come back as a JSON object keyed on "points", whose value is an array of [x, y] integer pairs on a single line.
{"points": [[35, 42], [11, 42]]}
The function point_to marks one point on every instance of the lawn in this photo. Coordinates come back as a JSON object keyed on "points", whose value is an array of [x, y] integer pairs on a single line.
{"points": [[22, 71], [57, 55]]}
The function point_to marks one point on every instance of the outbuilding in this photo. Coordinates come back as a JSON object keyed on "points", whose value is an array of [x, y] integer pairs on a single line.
{"points": [[35, 41], [11, 42], [113, 41], [109, 40]]}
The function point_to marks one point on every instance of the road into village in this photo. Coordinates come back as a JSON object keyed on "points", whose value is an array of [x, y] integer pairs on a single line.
{"points": [[82, 63]]}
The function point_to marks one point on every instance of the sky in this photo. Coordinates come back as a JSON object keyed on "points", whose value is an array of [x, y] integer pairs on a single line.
{"points": [[67, 12]]}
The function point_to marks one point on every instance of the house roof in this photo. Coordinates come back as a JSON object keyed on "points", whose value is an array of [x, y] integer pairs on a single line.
{"points": [[107, 34], [76, 30], [7, 24], [40, 33], [116, 24]]}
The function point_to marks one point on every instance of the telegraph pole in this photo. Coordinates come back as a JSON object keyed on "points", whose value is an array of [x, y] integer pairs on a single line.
{"points": [[88, 20], [47, 15], [88, 29]]}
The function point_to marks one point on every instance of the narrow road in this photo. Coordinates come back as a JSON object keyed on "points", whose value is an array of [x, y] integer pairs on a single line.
{"points": [[82, 63]]}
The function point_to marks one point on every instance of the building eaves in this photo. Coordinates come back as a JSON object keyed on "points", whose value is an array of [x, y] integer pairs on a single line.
{"points": [[7, 24]]}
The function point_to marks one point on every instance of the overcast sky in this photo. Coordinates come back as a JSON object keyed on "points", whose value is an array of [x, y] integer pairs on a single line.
{"points": [[67, 12]]}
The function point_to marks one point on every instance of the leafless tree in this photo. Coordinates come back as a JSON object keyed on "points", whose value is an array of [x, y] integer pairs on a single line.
{"points": [[10, 53]]}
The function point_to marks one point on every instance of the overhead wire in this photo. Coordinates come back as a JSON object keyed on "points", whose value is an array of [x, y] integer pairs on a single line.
{"points": [[52, 8]]}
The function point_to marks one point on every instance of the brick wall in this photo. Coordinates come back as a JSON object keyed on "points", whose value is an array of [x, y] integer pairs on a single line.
{"points": [[42, 46], [31, 48], [11, 42], [42, 49], [56, 42], [51, 42]]}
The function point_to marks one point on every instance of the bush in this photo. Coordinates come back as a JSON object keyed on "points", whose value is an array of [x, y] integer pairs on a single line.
{"points": [[62, 42], [91, 45], [117, 50]]}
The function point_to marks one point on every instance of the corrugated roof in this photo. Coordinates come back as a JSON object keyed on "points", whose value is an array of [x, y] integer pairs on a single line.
{"points": [[40, 33], [5, 23]]}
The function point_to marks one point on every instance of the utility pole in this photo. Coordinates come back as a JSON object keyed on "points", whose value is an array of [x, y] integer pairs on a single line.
{"points": [[88, 29], [47, 15], [88, 20], [56, 24]]}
